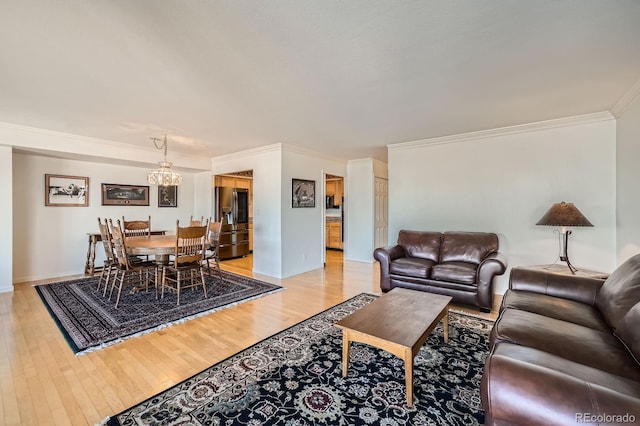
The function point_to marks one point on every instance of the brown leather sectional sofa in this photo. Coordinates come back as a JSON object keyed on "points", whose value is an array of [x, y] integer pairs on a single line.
{"points": [[458, 264], [565, 350]]}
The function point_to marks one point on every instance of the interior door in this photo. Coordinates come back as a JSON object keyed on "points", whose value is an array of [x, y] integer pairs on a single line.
{"points": [[381, 220]]}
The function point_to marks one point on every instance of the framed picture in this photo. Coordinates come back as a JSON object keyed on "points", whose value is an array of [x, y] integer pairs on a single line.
{"points": [[303, 193], [167, 196], [124, 195], [66, 191]]}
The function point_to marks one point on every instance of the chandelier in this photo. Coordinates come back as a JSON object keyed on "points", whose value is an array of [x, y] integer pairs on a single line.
{"points": [[163, 176]]}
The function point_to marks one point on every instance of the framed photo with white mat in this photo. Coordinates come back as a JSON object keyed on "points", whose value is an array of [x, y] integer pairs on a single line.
{"points": [[66, 191]]}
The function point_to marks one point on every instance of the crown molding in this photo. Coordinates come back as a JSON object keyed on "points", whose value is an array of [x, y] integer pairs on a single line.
{"points": [[281, 147], [626, 100], [503, 131], [248, 152], [85, 148]]}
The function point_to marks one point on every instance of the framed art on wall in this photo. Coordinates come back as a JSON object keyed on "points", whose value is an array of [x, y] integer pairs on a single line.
{"points": [[124, 195], [66, 191], [303, 193], [167, 196]]}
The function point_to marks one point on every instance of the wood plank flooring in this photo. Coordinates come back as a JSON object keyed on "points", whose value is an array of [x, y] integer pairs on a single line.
{"points": [[43, 383]]}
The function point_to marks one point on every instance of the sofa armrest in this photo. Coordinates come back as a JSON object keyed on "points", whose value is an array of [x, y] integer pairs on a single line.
{"points": [[571, 287], [385, 255], [492, 265]]}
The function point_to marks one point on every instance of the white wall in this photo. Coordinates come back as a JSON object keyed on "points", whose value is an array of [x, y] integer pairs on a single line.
{"points": [[266, 163], [6, 219], [504, 180], [52, 241], [203, 199], [286, 241], [360, 210], [628, 178], [303, 228], [359, 214]]}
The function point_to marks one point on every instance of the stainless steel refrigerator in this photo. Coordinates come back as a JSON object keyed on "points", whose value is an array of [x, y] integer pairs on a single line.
{"points": [[232, 208]]}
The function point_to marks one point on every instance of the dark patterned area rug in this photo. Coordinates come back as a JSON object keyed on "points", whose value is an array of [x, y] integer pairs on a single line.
{"points": [[89, 321], [294, 378]]}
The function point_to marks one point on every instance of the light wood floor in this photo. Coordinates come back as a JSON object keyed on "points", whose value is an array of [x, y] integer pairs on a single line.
{"points": [[43, 383]]}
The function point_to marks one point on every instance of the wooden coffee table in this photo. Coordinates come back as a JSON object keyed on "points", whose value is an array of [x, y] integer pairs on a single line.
{"points": [[398, 322]]}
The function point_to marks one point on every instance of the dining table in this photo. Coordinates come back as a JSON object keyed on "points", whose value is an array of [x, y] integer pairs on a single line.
{"points": [[158, 246], [94, 238]]}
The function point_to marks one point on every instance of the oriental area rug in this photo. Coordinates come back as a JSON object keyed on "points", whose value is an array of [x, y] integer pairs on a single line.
{"points": [[294, 378], [90, 321]]}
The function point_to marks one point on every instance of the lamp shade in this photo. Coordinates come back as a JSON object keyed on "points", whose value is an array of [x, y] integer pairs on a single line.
{"points": [[164, 176], [564, 214]]}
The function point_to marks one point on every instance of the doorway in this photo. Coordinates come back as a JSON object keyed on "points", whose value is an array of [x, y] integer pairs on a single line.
{"points": [[334, 208], [233, 206]]}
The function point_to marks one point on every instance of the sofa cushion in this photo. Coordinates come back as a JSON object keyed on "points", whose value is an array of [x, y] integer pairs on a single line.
{"points": [[573, 369], [469, 247], [425, 245], [555, 307], [620, 291], [458, 272], [594, 348], [523, 385], [629, 331], [411, 267]]}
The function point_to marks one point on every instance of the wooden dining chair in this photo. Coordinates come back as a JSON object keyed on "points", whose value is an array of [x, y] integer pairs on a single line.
{"points": [[110, 263], [212, 253], [136, 228], [188, 257], [196, 222], [139, 273]]}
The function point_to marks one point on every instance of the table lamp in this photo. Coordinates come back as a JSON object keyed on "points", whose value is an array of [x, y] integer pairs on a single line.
{"points": [[564, 215]]}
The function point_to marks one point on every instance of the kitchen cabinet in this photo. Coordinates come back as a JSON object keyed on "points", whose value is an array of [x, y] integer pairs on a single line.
{"points": [[242, 183], [233, 181], [335, 189], [226, 181], [333, 234]]}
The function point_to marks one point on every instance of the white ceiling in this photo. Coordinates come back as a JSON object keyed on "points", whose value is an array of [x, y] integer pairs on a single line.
{"points": [[344, 78]]}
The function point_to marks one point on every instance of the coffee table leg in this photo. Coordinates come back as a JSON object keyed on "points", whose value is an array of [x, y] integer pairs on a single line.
{"points": [[345, 352], [408, 375], [445, 325]]}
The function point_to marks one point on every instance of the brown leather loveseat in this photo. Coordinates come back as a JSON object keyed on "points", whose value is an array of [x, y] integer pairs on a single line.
{"points": [[565, 350], [458, 264]]}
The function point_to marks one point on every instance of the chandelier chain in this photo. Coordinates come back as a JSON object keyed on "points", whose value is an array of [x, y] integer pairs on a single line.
{"points": [[162, 146]]}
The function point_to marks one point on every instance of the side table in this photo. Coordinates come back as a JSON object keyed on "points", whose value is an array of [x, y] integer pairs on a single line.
{"points": [[557, 268]]}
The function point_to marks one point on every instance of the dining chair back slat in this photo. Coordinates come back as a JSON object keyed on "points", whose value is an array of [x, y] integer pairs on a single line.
{"points": [[190, 244], [212, 255], [110, 263], [196, 222], [119, 247], [140, 272], [136, 228], [188, 256]]}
